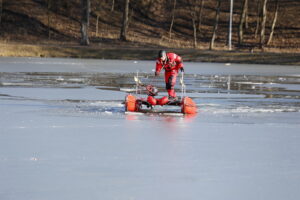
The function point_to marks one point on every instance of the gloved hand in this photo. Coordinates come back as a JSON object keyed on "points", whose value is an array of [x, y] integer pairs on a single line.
{"points": [[182, 69], [156, 73]]}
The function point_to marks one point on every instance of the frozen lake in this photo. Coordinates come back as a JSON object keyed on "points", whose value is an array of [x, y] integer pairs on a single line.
{"points": [[64, 134]]}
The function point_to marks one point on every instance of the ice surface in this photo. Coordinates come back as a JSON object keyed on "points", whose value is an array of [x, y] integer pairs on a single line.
{"points": [[64, 133]]}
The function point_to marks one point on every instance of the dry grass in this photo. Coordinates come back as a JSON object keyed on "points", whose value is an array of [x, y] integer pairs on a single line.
{"points": [[131, 53]]}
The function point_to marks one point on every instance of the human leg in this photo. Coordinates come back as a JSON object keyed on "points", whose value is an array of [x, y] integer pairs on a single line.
{"points": [[170, 79]]}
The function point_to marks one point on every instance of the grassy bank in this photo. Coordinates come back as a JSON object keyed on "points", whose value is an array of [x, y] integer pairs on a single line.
{"points": [[143, 53]]}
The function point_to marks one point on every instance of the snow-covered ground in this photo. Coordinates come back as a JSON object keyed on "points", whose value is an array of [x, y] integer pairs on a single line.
{"points": [[64, 134]]}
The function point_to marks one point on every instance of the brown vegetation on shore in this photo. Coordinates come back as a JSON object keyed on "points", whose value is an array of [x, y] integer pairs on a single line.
{"points": [[52, 28], [143, 53]]}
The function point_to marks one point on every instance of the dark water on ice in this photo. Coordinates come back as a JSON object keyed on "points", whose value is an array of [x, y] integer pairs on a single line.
{"points": [[64, 133], [102, 93]]}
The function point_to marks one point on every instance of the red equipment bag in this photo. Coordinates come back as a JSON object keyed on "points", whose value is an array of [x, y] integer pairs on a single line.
{"points": [[130, 103], [188, 106]]}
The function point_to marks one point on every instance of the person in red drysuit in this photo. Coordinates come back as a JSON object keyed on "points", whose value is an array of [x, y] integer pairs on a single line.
{"points": [[171, 62]]}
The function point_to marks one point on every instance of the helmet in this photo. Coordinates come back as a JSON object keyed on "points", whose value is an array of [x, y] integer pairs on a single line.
{"points": [[162, 53], [151, 90]]}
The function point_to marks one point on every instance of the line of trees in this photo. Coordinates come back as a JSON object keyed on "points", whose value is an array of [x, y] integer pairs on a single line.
{"points": [[195, 8]]}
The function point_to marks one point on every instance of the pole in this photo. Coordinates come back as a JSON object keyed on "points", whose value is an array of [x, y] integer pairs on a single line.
{"points": [[182, 86], [230, 26]]}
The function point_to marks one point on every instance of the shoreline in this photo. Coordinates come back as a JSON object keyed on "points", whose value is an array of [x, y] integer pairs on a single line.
{"points": [[122, 52]]}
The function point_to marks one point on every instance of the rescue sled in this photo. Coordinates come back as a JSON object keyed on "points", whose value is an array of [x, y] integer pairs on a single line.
{"points": [[133, 103]]}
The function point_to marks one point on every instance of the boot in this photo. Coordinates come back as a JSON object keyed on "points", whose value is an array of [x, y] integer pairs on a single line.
{"points": [[171, 93]]}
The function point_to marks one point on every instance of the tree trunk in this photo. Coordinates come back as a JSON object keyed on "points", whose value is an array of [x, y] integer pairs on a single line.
{"points": [[113, 6], [242, 21], [246, 17], [123, 34], [172, 21], [258, 17], [49, 18], [274, 22], [211, 46], [85, 22], [97, 25], [230, 26], [195, 31], [200, 16], [194, 8], [263, 24], [1, 8]]}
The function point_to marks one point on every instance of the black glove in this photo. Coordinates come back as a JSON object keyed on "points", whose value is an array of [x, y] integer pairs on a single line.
{"points": [[181, 69]]}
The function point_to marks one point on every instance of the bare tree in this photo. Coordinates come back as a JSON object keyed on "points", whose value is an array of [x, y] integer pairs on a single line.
{"points": [[85, 18], [193, 12], [49, 17], [97, 9], [112, 5], [97, 25], [200, 16], [123, 34], [274, 22], [173, 17], [195, 8], [1, 8], [211, 46], [230, 26], [242, 21], [258, 17], [246, 16], [263, 23]]}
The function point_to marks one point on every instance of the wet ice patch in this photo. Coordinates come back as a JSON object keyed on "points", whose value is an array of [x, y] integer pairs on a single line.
{"points": [[106, 107], [221, 109], [95, 94], [33, 159], [85, 108]]}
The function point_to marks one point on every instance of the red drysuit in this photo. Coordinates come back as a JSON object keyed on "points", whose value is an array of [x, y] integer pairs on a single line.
{"points": [[171, 65]]}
